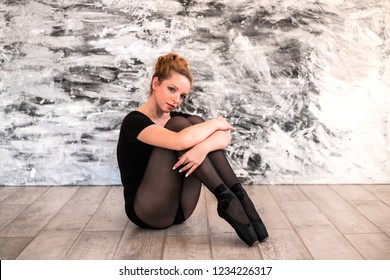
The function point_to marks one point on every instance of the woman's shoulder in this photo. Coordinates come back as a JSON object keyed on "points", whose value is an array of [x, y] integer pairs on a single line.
{"points": [[135, 122], [137, 117], [135, 113]]}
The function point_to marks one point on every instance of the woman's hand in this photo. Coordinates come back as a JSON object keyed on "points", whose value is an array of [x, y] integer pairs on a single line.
{"points": [[222, 124], [191, 159]]}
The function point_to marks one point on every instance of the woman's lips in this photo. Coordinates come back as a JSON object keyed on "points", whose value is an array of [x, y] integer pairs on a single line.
{"points": [[170, 106]]}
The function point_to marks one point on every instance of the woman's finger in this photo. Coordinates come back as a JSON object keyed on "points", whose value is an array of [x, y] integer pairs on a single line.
{"points": [[181, 161], [186, 167], [192, 169]]}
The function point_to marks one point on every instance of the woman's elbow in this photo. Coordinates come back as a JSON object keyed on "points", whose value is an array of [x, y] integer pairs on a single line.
{"points": [[183, 143]]}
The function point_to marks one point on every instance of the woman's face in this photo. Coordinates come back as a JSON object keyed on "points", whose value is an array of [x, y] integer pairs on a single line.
{"points": [[170, 93]]}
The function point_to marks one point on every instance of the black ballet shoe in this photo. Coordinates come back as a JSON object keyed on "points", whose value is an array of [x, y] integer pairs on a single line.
{"points": [[245, 231], [258, 225]]}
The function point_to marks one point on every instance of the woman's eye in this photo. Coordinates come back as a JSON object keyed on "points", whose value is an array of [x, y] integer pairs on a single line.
{"points": [[183, 96], [171, 89]]}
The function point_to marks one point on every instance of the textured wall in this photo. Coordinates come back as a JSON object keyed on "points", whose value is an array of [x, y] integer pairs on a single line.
{"points": [[304, 82]]}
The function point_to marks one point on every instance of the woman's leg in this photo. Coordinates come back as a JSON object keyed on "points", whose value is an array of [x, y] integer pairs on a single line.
{"points": [[162, 189], [219, 160], [225, 171]]}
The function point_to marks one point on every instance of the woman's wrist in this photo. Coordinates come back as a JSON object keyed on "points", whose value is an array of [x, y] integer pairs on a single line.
{"points": [[204, 146]]}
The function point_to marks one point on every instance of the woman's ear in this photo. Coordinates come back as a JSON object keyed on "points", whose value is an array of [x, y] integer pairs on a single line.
{"points": [[155, 83]]}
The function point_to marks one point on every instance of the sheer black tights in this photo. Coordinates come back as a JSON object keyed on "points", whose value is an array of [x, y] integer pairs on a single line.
{"points": [[164, 190], [225, 171]]}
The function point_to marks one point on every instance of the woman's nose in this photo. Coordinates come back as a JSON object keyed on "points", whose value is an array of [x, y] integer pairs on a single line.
{"points": [[176, 98]]}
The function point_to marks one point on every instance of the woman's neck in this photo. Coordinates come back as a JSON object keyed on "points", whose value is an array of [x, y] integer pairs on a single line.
{"points": [[150, 109]]}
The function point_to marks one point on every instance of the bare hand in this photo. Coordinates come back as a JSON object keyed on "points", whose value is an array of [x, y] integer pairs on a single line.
{"points": [[191, 159], [223, 124]]}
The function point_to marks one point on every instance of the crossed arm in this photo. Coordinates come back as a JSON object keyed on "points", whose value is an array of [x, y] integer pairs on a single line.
{"points": [[199, 140], [219, 140]]}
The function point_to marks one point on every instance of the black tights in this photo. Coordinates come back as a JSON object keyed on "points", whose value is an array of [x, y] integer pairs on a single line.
{"points": [[164, 190]]}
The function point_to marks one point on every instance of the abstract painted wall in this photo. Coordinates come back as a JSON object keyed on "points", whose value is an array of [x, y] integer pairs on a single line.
{"points": [[306, 84]]}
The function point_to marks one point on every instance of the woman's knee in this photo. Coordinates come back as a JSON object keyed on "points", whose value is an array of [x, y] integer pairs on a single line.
{"points": [[195, 119], [178, 123]]}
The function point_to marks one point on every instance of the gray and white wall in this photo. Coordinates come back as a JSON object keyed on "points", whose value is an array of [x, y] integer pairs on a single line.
{"points": [[306, 84]]}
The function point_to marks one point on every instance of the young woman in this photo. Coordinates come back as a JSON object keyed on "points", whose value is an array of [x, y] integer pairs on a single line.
{"points": [[164, 157]]}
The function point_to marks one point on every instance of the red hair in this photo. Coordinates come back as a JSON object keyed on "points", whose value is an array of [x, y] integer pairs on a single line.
{"points": [[171, 62]]}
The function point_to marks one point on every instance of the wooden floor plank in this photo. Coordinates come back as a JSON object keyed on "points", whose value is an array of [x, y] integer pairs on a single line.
{"points": [[111, 213], [332, 204], [62, 230], [304, 214], [95, 245], [90, 223], [9, 212], [284, 244], [6, 191], [140, 244], [25, 195], [49, 245], [317, 232], [353, 192], [328, 244], [373, 246], [287, 193], [10, 247], [67, 220], [370, 205], [382, 192], [89, 195], [227, 246], [377, 212], [268, 208], [186, 247], [37, 215]]}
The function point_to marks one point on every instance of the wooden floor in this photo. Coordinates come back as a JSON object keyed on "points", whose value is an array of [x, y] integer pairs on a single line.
{"points": [[304, 222]]}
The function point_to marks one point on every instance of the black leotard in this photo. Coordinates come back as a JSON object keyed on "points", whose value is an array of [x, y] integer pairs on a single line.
{"points": [[133, 156]]}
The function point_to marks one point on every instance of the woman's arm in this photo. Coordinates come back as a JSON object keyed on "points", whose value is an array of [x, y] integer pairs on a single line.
{"points": [[162, 137], [219, 140]]}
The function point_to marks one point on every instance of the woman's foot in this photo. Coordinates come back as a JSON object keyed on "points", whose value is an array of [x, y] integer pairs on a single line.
{"points": [[230, 209], [250, 210]]}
